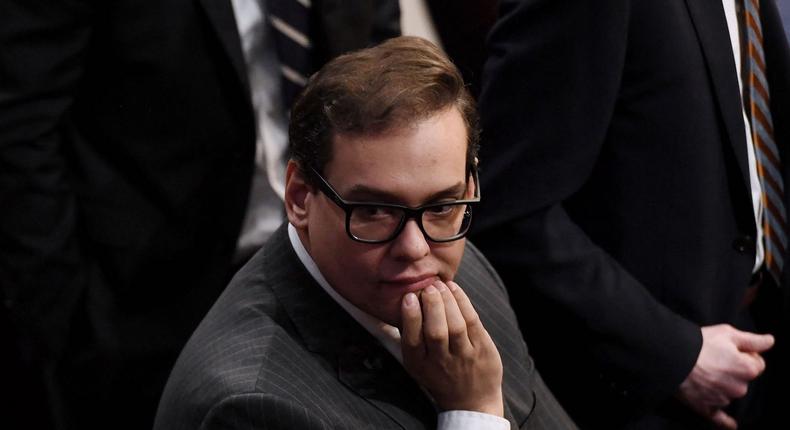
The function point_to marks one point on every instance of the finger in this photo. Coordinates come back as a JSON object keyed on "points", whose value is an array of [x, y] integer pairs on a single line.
{"points": [[458, 339], [760, 362], [749, 366], [752, 342], [411, 327], [474, 327], [729, 386], [434, 322], [722, 420]]}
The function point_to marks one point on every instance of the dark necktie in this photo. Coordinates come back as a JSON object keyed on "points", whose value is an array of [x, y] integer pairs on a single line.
{"points": [[290, 21], [768, 160]]}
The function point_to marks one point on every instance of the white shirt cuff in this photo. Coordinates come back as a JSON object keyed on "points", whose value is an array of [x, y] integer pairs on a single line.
{"points": [[470, 420]]}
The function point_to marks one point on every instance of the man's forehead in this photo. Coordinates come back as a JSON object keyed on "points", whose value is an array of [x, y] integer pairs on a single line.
{"points": [[365, 182], [393, 140], [413, 162]]}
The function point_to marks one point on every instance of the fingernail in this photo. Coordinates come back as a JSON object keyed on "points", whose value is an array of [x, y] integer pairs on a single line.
{"points": [[441, 286], [452, 285], [430, 289], [410, 299]]}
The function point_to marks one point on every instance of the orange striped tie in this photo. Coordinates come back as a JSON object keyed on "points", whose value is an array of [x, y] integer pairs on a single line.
{"points": [[768, 161]]}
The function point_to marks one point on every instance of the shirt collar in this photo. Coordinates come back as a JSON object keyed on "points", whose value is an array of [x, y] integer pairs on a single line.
{"points": [[388, 335]]}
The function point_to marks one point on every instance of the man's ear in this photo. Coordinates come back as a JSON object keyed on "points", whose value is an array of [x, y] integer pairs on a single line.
{"points": [[470, 186], [297, 195]]}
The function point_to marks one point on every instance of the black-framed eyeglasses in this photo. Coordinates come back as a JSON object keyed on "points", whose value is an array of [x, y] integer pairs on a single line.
{"points": [[372, 222]]}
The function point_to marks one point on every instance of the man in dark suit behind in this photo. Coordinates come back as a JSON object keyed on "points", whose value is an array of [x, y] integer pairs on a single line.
{"points": [[127, 149], [624, 200], [367, 310]]}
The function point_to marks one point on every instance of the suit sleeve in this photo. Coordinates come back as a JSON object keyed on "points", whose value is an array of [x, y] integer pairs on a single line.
{"points": [[551, 85], [41, 63], [261, 411]]}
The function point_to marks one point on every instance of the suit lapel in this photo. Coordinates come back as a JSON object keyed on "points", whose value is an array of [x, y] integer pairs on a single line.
{"points": [[360, 361], [711, 26], [220, 14], [371, 371], [476, 277]]}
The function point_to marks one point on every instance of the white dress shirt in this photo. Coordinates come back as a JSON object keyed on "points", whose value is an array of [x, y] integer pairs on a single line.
{"points": [[265, 207], [389, 336], [733, 24]]}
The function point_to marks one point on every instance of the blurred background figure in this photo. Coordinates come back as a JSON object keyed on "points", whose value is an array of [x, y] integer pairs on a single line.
{"points": [[462, 26], [634, 205], [142, 148]]}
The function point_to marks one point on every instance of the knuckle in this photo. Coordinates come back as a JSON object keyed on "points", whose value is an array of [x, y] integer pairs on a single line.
{"points": [[473, 319], [754, 370], [456, 332], [465, 356], [430, 299], [411, 342], [740, 391], [760, 369], [434, 335], [476, 327]]}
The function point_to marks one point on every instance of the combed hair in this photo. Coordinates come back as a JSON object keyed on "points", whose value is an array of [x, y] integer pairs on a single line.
{"points": [[376, 90]]}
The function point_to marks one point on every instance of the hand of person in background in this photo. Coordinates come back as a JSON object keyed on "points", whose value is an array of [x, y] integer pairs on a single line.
{"points": [[728, 361], [449, 352]]}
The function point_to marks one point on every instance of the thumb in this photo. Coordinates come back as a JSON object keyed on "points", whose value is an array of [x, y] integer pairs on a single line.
{"points": [[752, 342]]}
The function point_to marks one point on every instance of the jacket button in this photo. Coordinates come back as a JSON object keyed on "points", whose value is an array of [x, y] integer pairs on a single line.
{"points": [[744, 244]]}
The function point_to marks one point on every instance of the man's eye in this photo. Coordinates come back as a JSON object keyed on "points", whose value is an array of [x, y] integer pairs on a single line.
{"points": [[441, 210], [371, 212]]}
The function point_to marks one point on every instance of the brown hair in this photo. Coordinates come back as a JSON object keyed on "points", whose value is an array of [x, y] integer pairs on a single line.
{"points": [[374, 90]]}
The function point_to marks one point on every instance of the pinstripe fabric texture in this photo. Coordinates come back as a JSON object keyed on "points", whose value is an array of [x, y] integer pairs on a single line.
{"points": [[275, 352]]}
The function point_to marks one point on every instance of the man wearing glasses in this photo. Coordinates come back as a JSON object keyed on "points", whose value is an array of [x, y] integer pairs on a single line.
{"points": [[367, 310]]}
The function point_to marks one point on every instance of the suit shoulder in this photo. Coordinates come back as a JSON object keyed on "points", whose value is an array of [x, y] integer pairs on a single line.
{"points": [[225, 355], [475, 268]]}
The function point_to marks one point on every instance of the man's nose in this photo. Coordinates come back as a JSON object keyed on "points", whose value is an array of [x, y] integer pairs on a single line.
{"points": [[411, 242]]}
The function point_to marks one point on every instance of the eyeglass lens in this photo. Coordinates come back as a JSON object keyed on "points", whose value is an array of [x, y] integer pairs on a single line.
{"points": [[440, 222]]}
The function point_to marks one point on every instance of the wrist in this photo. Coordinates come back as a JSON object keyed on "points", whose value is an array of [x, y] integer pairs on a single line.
{"points": [[491, 404], [494, 406]]}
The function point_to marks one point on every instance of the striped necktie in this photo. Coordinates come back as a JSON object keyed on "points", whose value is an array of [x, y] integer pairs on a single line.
{"points": [[768, 160], [290, 22]]}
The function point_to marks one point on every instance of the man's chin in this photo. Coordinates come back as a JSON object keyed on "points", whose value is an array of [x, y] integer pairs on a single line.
{"points": [[389, 314]]}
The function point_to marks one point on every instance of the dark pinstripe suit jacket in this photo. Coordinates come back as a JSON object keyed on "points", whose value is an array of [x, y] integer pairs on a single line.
{"points": [[276, 352]]}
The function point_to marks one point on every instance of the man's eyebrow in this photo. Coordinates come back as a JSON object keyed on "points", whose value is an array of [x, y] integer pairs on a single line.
{"points": [[363, 193]]}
